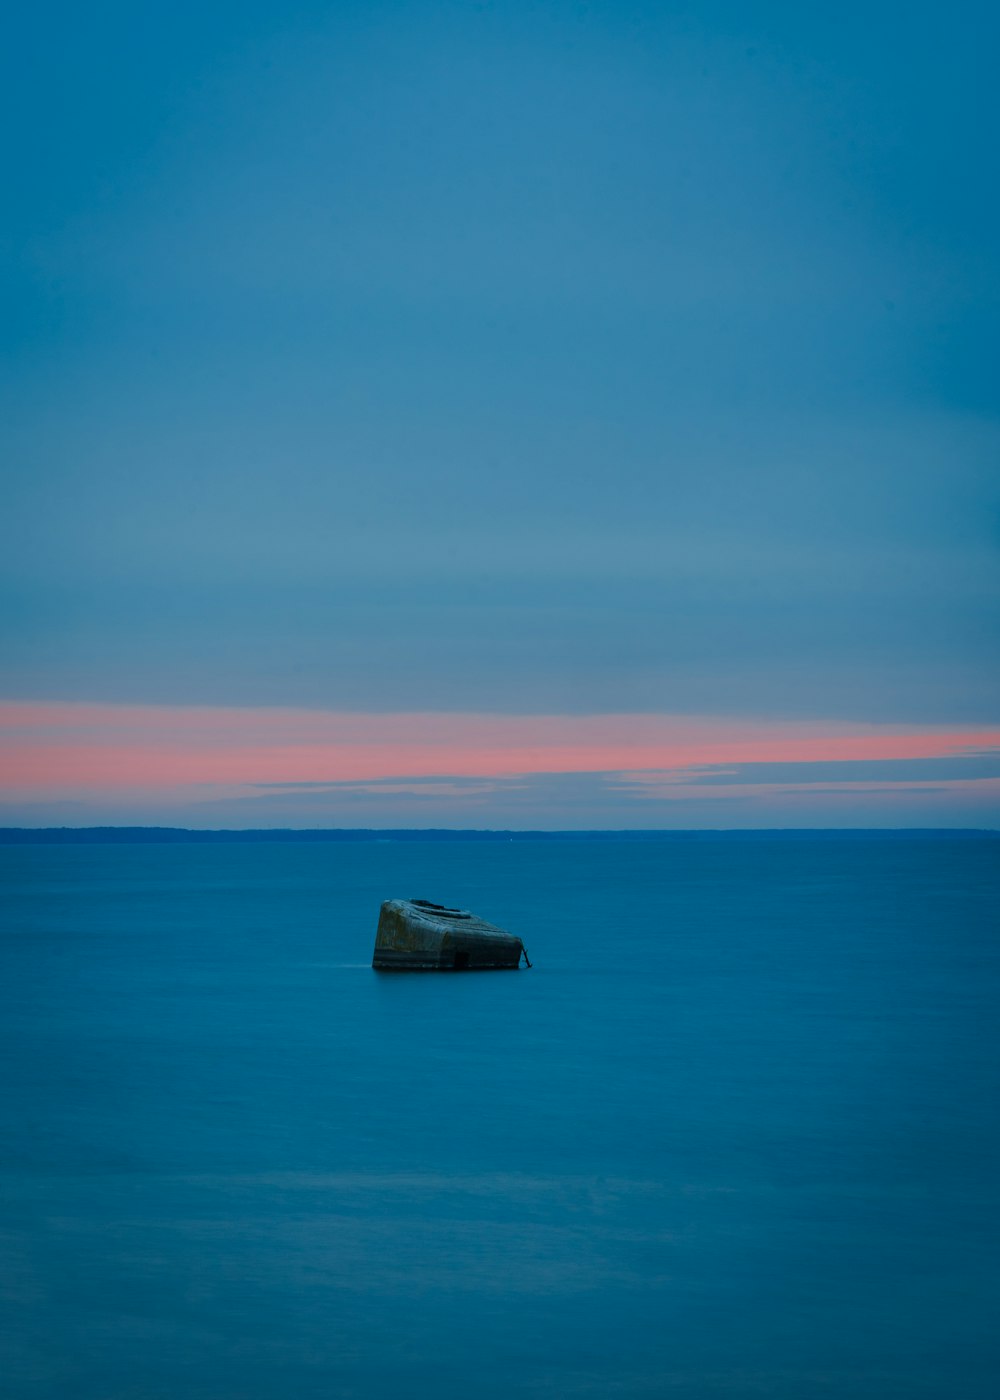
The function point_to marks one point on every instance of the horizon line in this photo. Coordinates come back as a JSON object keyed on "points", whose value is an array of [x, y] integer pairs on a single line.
{"points": [[18, 835]]}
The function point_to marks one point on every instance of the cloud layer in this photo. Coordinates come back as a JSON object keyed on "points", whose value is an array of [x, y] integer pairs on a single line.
{"points": [[206, 766]]}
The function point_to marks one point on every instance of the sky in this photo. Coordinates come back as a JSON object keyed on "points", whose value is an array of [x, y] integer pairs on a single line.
{"points": [[529, 415]]}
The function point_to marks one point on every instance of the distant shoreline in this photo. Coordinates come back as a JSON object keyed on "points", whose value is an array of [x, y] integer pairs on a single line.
{"points": [[166, 835]]}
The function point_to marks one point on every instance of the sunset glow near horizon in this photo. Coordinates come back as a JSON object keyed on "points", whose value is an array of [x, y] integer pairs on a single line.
{"points": [[202, 765]]}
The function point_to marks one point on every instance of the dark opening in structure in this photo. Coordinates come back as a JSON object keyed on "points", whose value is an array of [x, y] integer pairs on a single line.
{"points": [[461, 961]]}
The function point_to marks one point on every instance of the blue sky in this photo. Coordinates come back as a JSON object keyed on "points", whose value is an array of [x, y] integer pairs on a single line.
{"points": [[524, 359]]}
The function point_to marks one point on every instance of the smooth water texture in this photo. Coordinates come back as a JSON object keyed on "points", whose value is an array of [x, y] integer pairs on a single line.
{"points": [[734, 1135]]}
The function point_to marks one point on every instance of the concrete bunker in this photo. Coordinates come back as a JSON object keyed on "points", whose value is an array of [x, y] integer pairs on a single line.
{"points": [[416, 935]]}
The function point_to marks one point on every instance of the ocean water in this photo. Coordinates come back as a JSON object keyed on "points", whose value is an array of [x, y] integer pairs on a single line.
{"points": [[735, 1134]]}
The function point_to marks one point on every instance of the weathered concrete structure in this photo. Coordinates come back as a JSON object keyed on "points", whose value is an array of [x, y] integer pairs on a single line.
{"points": [[417, 936]]}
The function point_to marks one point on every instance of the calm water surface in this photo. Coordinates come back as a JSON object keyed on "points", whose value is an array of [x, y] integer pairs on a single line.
{"points": [[734, 1135]]}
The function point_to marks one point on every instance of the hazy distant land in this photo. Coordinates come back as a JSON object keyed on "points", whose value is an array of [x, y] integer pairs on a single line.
{"points": [[138, 835]]}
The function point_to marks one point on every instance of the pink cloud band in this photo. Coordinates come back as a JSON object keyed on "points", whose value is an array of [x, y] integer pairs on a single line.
{"points": [[60, 748]]}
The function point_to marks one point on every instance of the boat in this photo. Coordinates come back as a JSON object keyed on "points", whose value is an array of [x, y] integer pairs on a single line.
{"points": [[415, 935]]}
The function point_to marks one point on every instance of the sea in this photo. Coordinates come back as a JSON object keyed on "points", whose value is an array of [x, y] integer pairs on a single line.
{"points": [[734, 1134]]}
